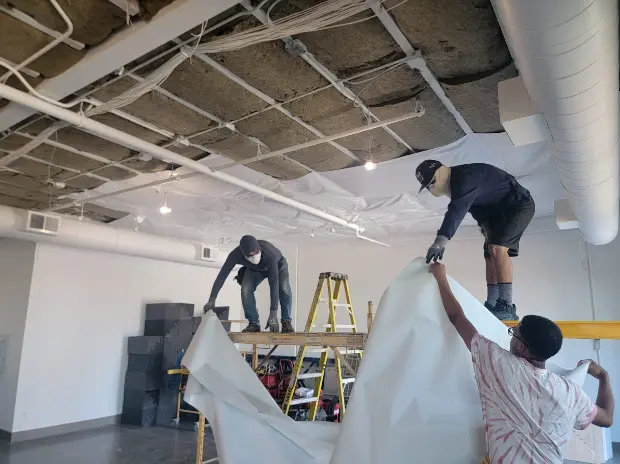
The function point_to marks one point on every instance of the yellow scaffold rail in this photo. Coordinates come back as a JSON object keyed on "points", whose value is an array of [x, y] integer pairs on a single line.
{"points": [[586, 330]]}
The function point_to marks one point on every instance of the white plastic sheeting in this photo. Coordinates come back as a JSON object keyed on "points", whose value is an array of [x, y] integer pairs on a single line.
{"points": [[567, 54], [385, 201], [415, 398]]}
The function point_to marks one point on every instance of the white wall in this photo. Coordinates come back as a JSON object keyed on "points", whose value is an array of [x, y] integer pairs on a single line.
{"points": [[16, 258], [83, 306], [551, 279]]}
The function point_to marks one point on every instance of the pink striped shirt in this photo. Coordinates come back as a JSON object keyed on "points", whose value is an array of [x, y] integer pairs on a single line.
{"points": [[529, 413]]}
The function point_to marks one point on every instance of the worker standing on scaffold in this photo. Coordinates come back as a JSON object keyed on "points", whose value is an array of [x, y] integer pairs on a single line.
{"points": [[260, 260], [501, 206]]}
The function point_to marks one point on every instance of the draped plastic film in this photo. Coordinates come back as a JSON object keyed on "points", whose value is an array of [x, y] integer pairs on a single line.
{"points": [[415, 398]]}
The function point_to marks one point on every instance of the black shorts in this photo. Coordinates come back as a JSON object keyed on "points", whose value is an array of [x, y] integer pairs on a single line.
{"points": [[506, 225]]}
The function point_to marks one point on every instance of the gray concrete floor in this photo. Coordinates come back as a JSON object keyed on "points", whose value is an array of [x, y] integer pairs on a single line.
{"points": [[125, 445], [112, 445]]}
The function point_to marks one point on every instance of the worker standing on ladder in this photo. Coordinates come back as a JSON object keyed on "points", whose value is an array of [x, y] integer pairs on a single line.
{"points": [[261, 260], [501, 206], [529, 412]]}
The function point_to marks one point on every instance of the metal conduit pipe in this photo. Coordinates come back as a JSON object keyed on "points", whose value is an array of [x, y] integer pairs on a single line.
{"points": [[113, 135], [58, 40]]}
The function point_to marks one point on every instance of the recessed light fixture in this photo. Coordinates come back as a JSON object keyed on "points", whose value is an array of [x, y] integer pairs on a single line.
{"points": [[370, 166]]}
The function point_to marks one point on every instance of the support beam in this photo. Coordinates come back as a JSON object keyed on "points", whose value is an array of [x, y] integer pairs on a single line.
{"points": [[339, 340], [267, 99], [417, 62], [124, 47], [585, 330], [323, 71]]}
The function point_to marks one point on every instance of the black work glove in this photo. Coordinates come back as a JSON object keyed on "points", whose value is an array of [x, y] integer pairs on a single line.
{"points": [[435, 252], [209, 306]]}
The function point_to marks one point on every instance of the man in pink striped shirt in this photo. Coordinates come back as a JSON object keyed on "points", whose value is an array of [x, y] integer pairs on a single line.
{"points": [[529, 412]]}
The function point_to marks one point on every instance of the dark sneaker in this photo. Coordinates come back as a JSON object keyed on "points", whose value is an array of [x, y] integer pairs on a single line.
{"points": [[287, 327], [488, 305], [505, 311], [252, 327]]}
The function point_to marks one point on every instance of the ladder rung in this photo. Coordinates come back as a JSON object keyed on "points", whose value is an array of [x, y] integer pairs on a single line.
{"points": [[310, 375], [343, 305], [304, 400], [339, 326], [349, 380]]}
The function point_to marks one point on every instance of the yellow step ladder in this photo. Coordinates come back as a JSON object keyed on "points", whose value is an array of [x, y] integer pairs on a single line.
{"points": [[335, 283]]}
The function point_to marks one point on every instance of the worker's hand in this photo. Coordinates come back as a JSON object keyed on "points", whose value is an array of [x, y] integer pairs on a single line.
{"points": [[272, 322], [209, 306], [435, 252], [594, 369], [438, 270]]}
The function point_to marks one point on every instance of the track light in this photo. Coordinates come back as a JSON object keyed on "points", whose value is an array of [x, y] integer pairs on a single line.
{"points": [[370, 166]]}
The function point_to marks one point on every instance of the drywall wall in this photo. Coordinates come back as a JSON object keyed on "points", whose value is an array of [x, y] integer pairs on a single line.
{"points": [[83, 306], [551, 279], [16, 262]]}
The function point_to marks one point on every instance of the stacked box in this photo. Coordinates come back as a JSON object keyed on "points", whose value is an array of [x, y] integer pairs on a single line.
{"points": [[161, 318], [142, 380]]}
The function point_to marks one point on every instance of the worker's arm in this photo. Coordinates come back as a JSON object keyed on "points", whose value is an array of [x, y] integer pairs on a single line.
{"points": [[605, 402], [273, 278], [453, 308], [231, 261], [457, 209]]}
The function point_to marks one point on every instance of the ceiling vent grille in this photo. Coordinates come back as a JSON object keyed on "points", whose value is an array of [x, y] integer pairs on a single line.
{"points": [[42, 223], [208, 253]]}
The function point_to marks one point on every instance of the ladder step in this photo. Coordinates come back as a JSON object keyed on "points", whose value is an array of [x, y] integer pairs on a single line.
{"points": [[335, 303], [349, 380], [304, 400], [310, 375]]}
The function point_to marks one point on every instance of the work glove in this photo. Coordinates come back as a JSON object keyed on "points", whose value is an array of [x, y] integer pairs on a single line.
{"points": [[272, 322], [435, 252], [209, 306]]}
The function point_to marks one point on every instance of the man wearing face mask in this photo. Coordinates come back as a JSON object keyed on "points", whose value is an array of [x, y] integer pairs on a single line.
{"points": [[261, 260], [501, 206]]}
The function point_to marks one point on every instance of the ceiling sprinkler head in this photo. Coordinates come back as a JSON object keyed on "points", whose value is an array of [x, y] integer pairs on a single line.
{"points": [[370, 166]]}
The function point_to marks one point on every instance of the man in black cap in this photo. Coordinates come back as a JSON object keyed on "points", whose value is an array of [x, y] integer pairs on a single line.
{"points": [[261, 260], [501, 206]]}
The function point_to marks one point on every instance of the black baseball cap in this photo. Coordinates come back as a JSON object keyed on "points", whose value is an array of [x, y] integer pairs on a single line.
{"points": [[426, 171]]}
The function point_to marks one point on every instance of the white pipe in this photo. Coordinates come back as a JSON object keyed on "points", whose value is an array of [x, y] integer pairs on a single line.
{"points": [[567, 53], [99, 237], [129, 141], [50, 45]]}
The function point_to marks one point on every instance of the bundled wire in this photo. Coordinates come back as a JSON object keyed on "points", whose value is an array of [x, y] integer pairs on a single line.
{"points": [[323, 16]]}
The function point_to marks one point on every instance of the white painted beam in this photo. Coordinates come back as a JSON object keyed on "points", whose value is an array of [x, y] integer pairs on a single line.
{"points": [[417, 62], [122, 48]]}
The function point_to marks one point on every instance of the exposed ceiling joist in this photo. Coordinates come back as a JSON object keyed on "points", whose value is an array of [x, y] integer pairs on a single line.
{"points": [[417, 62], [124, 47]]}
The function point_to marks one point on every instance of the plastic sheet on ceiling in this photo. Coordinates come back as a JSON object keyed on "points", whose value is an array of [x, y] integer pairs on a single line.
{"points": [[385, 201], [415, 391]]}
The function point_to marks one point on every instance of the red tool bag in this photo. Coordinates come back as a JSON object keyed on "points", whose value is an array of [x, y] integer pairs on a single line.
{"points": [[271, 383]]}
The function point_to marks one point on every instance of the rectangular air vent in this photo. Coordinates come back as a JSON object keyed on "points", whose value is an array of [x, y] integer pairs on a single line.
{"points": [[208, 253], [42, 223]]}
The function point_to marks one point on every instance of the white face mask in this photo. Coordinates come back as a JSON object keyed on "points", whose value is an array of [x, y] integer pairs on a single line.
{"points": [[254, 259]]}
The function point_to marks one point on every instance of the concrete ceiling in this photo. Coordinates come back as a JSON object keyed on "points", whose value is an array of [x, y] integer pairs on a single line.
{"points": [[460, 40]]}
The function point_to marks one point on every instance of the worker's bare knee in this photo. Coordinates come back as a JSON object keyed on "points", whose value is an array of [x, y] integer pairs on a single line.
{"points": [[498, 252]]}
